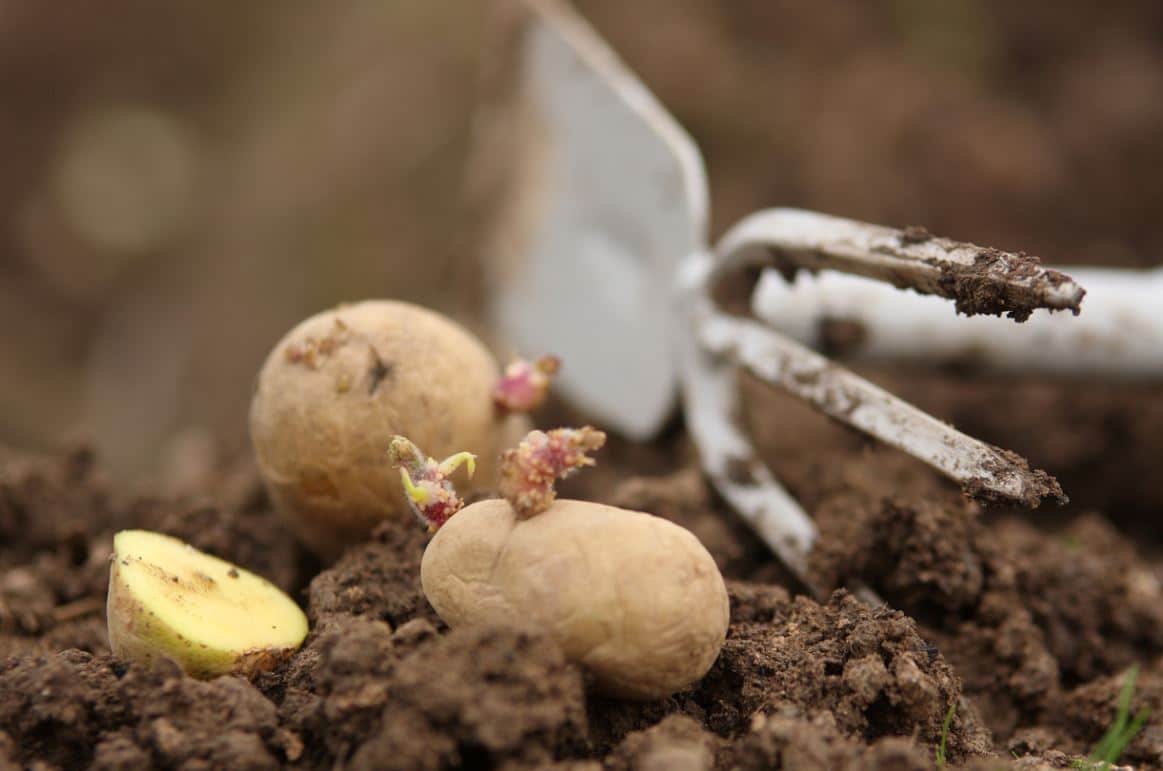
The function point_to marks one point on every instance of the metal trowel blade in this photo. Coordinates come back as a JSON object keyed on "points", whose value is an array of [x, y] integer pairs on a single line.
{"points": [[595, 194]]}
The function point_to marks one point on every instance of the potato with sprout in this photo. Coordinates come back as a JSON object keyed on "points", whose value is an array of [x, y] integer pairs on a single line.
{"points": [[633, 598], [336, 389]]}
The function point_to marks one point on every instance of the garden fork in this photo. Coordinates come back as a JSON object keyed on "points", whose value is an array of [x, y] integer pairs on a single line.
{"points": [[598, 251]]}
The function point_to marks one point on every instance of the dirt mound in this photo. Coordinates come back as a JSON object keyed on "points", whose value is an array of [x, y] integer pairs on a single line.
{"points": [[1026, 633]]}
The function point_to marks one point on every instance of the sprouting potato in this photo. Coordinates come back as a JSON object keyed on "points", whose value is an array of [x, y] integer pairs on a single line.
{"points": [[635, 599], [336, 389], [167, 600]]}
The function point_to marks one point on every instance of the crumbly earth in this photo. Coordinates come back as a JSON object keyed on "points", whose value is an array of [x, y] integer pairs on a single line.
{"points": [[1025, 630]]}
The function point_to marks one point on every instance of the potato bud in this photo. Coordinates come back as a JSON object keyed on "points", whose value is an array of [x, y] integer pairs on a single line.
{"points": [[340, 385], [634, 598]]}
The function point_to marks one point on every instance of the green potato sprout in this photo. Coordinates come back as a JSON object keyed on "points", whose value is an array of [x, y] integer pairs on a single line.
{"points": [[336, 389], [635, 599], [167, 600]]}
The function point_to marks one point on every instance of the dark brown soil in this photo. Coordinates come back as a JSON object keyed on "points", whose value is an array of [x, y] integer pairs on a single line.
{"points": [[1027, 632]]}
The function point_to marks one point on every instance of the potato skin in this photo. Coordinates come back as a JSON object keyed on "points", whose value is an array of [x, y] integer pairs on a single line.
{"points": [[634, 598], [330, 397]]}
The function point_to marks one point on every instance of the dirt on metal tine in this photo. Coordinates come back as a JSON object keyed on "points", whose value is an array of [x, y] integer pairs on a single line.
{"points": [[979, 280]]}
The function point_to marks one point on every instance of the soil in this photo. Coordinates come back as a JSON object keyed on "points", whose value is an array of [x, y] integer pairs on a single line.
{"points": [[1025, 631], [983, 288], [1021, 625]]}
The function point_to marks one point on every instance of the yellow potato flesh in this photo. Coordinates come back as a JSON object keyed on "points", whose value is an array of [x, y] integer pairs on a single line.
{"points": [[167, 600], [635, 599]]}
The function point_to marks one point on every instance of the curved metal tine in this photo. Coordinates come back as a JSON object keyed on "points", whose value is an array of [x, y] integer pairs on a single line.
{"points": [[601, 194], [983, 471], [793, 239], [1119, 336], [710, 401]]}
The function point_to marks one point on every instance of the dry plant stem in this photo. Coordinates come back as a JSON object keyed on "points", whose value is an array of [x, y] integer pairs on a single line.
{"points": [[979, 280], [1120, 334], [984, 471]]}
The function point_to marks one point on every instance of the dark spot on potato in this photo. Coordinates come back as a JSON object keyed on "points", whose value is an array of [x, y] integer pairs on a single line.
{"points": [[378, 371], [317, 484]]}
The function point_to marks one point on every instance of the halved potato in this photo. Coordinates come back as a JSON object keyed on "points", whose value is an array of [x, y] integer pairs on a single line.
{"points": [[167, 600]]}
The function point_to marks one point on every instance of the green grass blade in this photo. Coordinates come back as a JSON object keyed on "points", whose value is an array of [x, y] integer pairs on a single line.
{"points": [[1124, 728], [946, 724]]}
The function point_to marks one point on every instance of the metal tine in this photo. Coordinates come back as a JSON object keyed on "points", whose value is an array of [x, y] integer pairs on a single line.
{"points": [[728, 459], [979, 279], [710, 405], [1120, 336], [984, 471]]}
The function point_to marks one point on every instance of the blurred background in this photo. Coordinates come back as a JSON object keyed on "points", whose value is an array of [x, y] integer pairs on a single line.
{"points": [[184, 181]]}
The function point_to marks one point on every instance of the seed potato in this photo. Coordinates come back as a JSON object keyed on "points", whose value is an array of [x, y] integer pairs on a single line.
{"points": [[636, 599], [336, 389]]}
